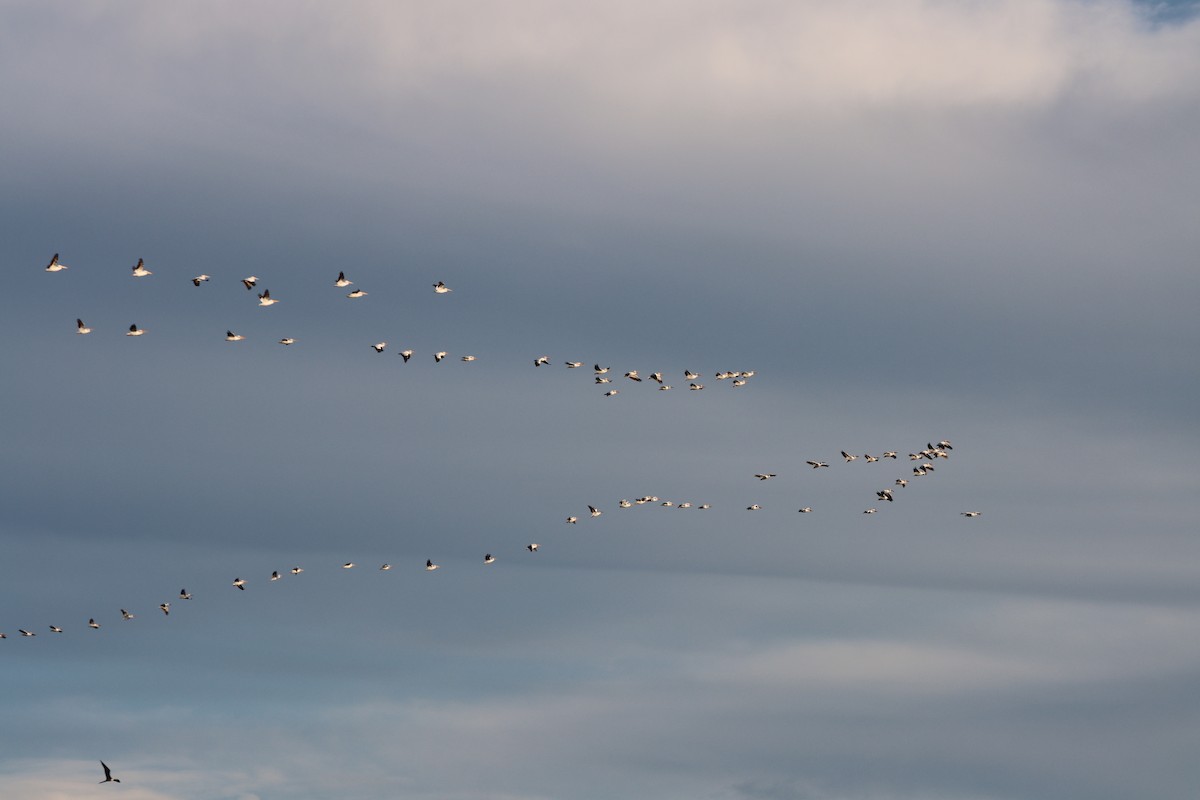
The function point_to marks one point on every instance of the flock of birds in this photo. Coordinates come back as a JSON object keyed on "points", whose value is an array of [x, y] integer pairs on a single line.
{"points": [[924, 460]]}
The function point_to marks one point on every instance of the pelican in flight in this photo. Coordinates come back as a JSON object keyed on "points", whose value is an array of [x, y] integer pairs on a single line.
{"points": [[439, 355], [265, 298], [287, 340], [537, 362], [572, 520], [249, 282], [230, 336], [488, 558], [430, 566], [765, 476], [468, 358], [275, 576], [139, 269], [165, 608], [54, 266], [240, 583], [848, 457], [357, 293], [970, 514], [297, 570], [379, 346], [184, 594], [816, 464], [348, 565], [755, 507], [612, 393], [441, 288], [80, 328], [24, 632], [806, 510], [595, 512], [55, 629], [385, 567], [633, 375], [688, 375], [134, 330], [126, 615], [695, 387], [108, 778], [573, 364], [199, 279], [93, 624], [533, 548], [406, 355], [341, 281]]}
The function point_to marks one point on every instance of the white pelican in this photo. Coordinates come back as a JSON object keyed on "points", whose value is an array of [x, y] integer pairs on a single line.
{"points": [[165, 608], [488, 558], [848, 457], [441, 288], [297, 570], [348, 565], [81, 328], [134, 330], [139, 269], [184, 594], [126, 615], [275, 576], [633, 375], [341, 281], [885, 494], [765, 476], [970, 514], [537, 362], [573, 364], [230, 336], [666, 387], [901, 482], [430, 566], [287, 340], [869, 511], [624, 504], [595, 512], [55, 629], [199, 279], [93, 624], [385, 567], [379, 346], [468, 358], [439, 355], [54, 266], [572, 520], [689, 375], [612, 392], [704, 506], [249, 282], [240, 583], [265, 298], [533, 548], [406, 355], [806, 510], [755, 507], [357, 293], [600, 379], [695, 387], [24, 632], [599, 370], [815, 464]]}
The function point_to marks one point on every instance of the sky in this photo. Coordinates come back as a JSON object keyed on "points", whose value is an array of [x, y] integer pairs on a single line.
{"points": [[911, 220]]}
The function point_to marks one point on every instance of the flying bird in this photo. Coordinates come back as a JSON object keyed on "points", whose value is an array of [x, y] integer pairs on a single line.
{"points": [[139, 269], [901, 482], [624, 504], [165, 608], [240, 583], [24, 632], [572, 520], [816, 464], [533, 548], [765, 476], [184, 594], [848, 457], [537, 362], [275, 575], [633, 375], [430, 566], [341, 281], [441, 288], [54, 266], [348, 565], [81, 328], [230, 336], [688, 375], [599, 370], [379, 346], [134, 330], [488, 558], [595, 512], [806, 510], [970, 514], [357, 293], [385, 567], [573, 364], [249, 282], [869, 511], [468, 358], [265, 298], [55, 629], [695, 387], [406, 355], [439, 355], [199, 279], [755, 507], [108, 778], [297, 570], [287, 340], [93, 624], [126, 615], [612, 392]]}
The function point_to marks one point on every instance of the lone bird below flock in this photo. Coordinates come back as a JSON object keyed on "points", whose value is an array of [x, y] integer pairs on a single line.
{"points": [[357, 293]]}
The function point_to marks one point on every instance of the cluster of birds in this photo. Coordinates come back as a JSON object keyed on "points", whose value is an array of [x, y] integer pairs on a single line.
{"points": [[737, 378]]}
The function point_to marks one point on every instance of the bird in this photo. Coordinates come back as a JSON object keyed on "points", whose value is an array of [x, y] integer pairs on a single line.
{"points": [[970, 514], [488, 558], [93, 624], [430, 566], [816, 464], [755, 507], [3, 635], [624, 504], [806, 509], [533, 548], [439, 355], [689, 375], [287, 340], [739, 382], [24, 632], [341, 281], [139, 269], [275, 575], [612, 392], [684, 505], [134, 330], [348, 565], [55, 629], [199, 279], [666, 387], [230, 336], [406, 355], [184, 594], [889, 454], [126, 615], [265, 298], [869, 511], [54, 266], [599, 370], [240, 583], [848, 457], [379, 346], [668, 504], [885, 494], [765, 476], [695, 387], [385, 567], [80, 328], [468, 358], [595, 512], [870, 458], [901, 482], [249, 282], [108, 777], [573, 364], [297, 570], [537, 362], [657, 377], [572, 520], [633, 375], [704, 506], [357, 293], [441, 288], [944, 444], [600, 379], [165, 608]]}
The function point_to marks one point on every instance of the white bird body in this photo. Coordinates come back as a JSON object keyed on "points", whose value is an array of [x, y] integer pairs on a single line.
{"points": [[240, 583], [806, 510], [816, 464], [765, 476], [970, 514], [430, 566], [689, 375], [287, 340], [848, 457], [341, 281], [695, 387], [755, 507], [379, 346], [93, 624], [537, 362], [139, 269], [199, 279], [265, 298], [595, 512], [612, 392], [126, 615], [54, 266], [249, 282], [357, 293], [406, 355], [488, 558], [441, 288], [134, 330], [468, 358], [533, 548], [230, 336], [439, 355], [80, 328]]}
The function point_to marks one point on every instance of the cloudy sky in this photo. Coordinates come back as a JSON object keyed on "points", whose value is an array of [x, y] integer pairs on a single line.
{"points": [[913, 220]]}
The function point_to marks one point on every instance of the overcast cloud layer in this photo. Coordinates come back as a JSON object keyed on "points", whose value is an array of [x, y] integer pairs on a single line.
{"points": [[913, 221]]}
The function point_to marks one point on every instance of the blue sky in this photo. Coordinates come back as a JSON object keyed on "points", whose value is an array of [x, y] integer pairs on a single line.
{"points": [[911, 220]]}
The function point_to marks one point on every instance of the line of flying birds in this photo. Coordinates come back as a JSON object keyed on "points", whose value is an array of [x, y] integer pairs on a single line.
{"points": [[737, 378]]}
